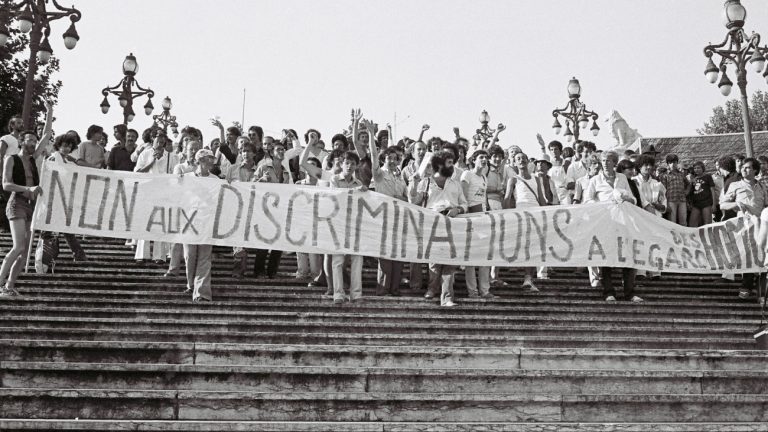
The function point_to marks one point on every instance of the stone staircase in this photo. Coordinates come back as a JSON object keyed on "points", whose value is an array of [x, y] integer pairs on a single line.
{"points": [[110, 345]]}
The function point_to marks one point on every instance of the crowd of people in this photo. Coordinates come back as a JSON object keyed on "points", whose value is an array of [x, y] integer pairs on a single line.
{"points": [[451, 177]]}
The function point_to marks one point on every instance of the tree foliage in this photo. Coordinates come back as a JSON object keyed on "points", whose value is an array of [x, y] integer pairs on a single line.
{"points": [[728, 118], [14, 63]]}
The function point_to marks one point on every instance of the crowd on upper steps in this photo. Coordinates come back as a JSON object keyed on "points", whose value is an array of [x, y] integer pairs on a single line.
{"points": [[450, 177]]}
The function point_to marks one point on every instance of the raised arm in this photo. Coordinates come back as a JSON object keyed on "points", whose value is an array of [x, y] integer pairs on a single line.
{"points": [[499, 129], [307, 167], [357, 115], [222, 135], [375, 167], [421, 134], [392, 140], [46, 130]]}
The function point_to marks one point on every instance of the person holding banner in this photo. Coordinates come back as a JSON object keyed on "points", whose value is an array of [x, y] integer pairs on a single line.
{"points": [[418, 155], [21, 179], [610, 186], [271, 170], [198, 256], [243, 171], [653, 195], [389, 182], [347, 180], [440, 193], [748, 197], [526, 192], [157, 161], [473, 182]]}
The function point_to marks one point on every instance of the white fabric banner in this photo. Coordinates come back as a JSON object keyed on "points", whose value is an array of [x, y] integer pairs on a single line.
{"points": [[319, 220]]}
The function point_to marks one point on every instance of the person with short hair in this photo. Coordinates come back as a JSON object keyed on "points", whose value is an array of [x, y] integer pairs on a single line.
{"points": [[271, 170], [21, 179], [610, 186], [653, 196], [90, 151], [156, 161], [346, 180], [748, 197], [197, 257], [677, 186], [474, 185], [389, 182]]}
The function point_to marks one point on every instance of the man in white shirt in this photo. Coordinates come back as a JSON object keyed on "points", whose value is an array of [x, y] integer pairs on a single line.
{"points": [[157, 161], [442, 194], [473, 182], [610, 186]]}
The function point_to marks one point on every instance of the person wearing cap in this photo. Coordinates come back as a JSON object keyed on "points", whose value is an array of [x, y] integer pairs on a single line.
{"points": [[198, 256]]}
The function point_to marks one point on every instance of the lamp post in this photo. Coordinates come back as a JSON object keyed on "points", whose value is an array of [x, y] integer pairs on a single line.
{"points": [[33, 17], [485, 133], [165, 118], [575, 113], [739, 50], [125, 92]]}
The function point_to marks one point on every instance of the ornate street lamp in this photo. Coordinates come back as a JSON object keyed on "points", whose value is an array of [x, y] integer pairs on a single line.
{"points": [[739, 50], [125, 92], [33, 16], [485, 133], [575, 113], [165, 118]]}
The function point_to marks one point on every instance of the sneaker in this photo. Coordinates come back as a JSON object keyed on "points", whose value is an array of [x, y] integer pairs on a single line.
{"points": [[5, 292], [473, 295], [341, 300], [429, 295], [595, 283], [636, 299], [201, 300], [170, 273], [187, 291], [610, 299], [490, 296], [448, 304], [316, 284], [743, 295]]}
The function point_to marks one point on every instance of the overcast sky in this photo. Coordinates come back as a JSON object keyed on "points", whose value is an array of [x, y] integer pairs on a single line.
{"points": [[305, 63]]}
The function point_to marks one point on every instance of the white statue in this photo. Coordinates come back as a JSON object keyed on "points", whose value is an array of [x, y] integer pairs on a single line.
{"points": [[626, 137]]}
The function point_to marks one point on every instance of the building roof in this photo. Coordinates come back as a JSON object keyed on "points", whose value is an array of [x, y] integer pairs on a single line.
{"points": [[705, 148]]}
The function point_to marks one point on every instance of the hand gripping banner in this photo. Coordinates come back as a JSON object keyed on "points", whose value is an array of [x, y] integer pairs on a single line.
{"points": [[337, 221]]}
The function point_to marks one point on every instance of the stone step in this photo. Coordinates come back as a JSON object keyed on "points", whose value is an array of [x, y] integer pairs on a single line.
{"points": [[349, 314], [19, 350], [229, 336], [748, 311], [292, 286], [404, 407], [222, 271], [266, 426], [259, 378], [400, 327]]}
